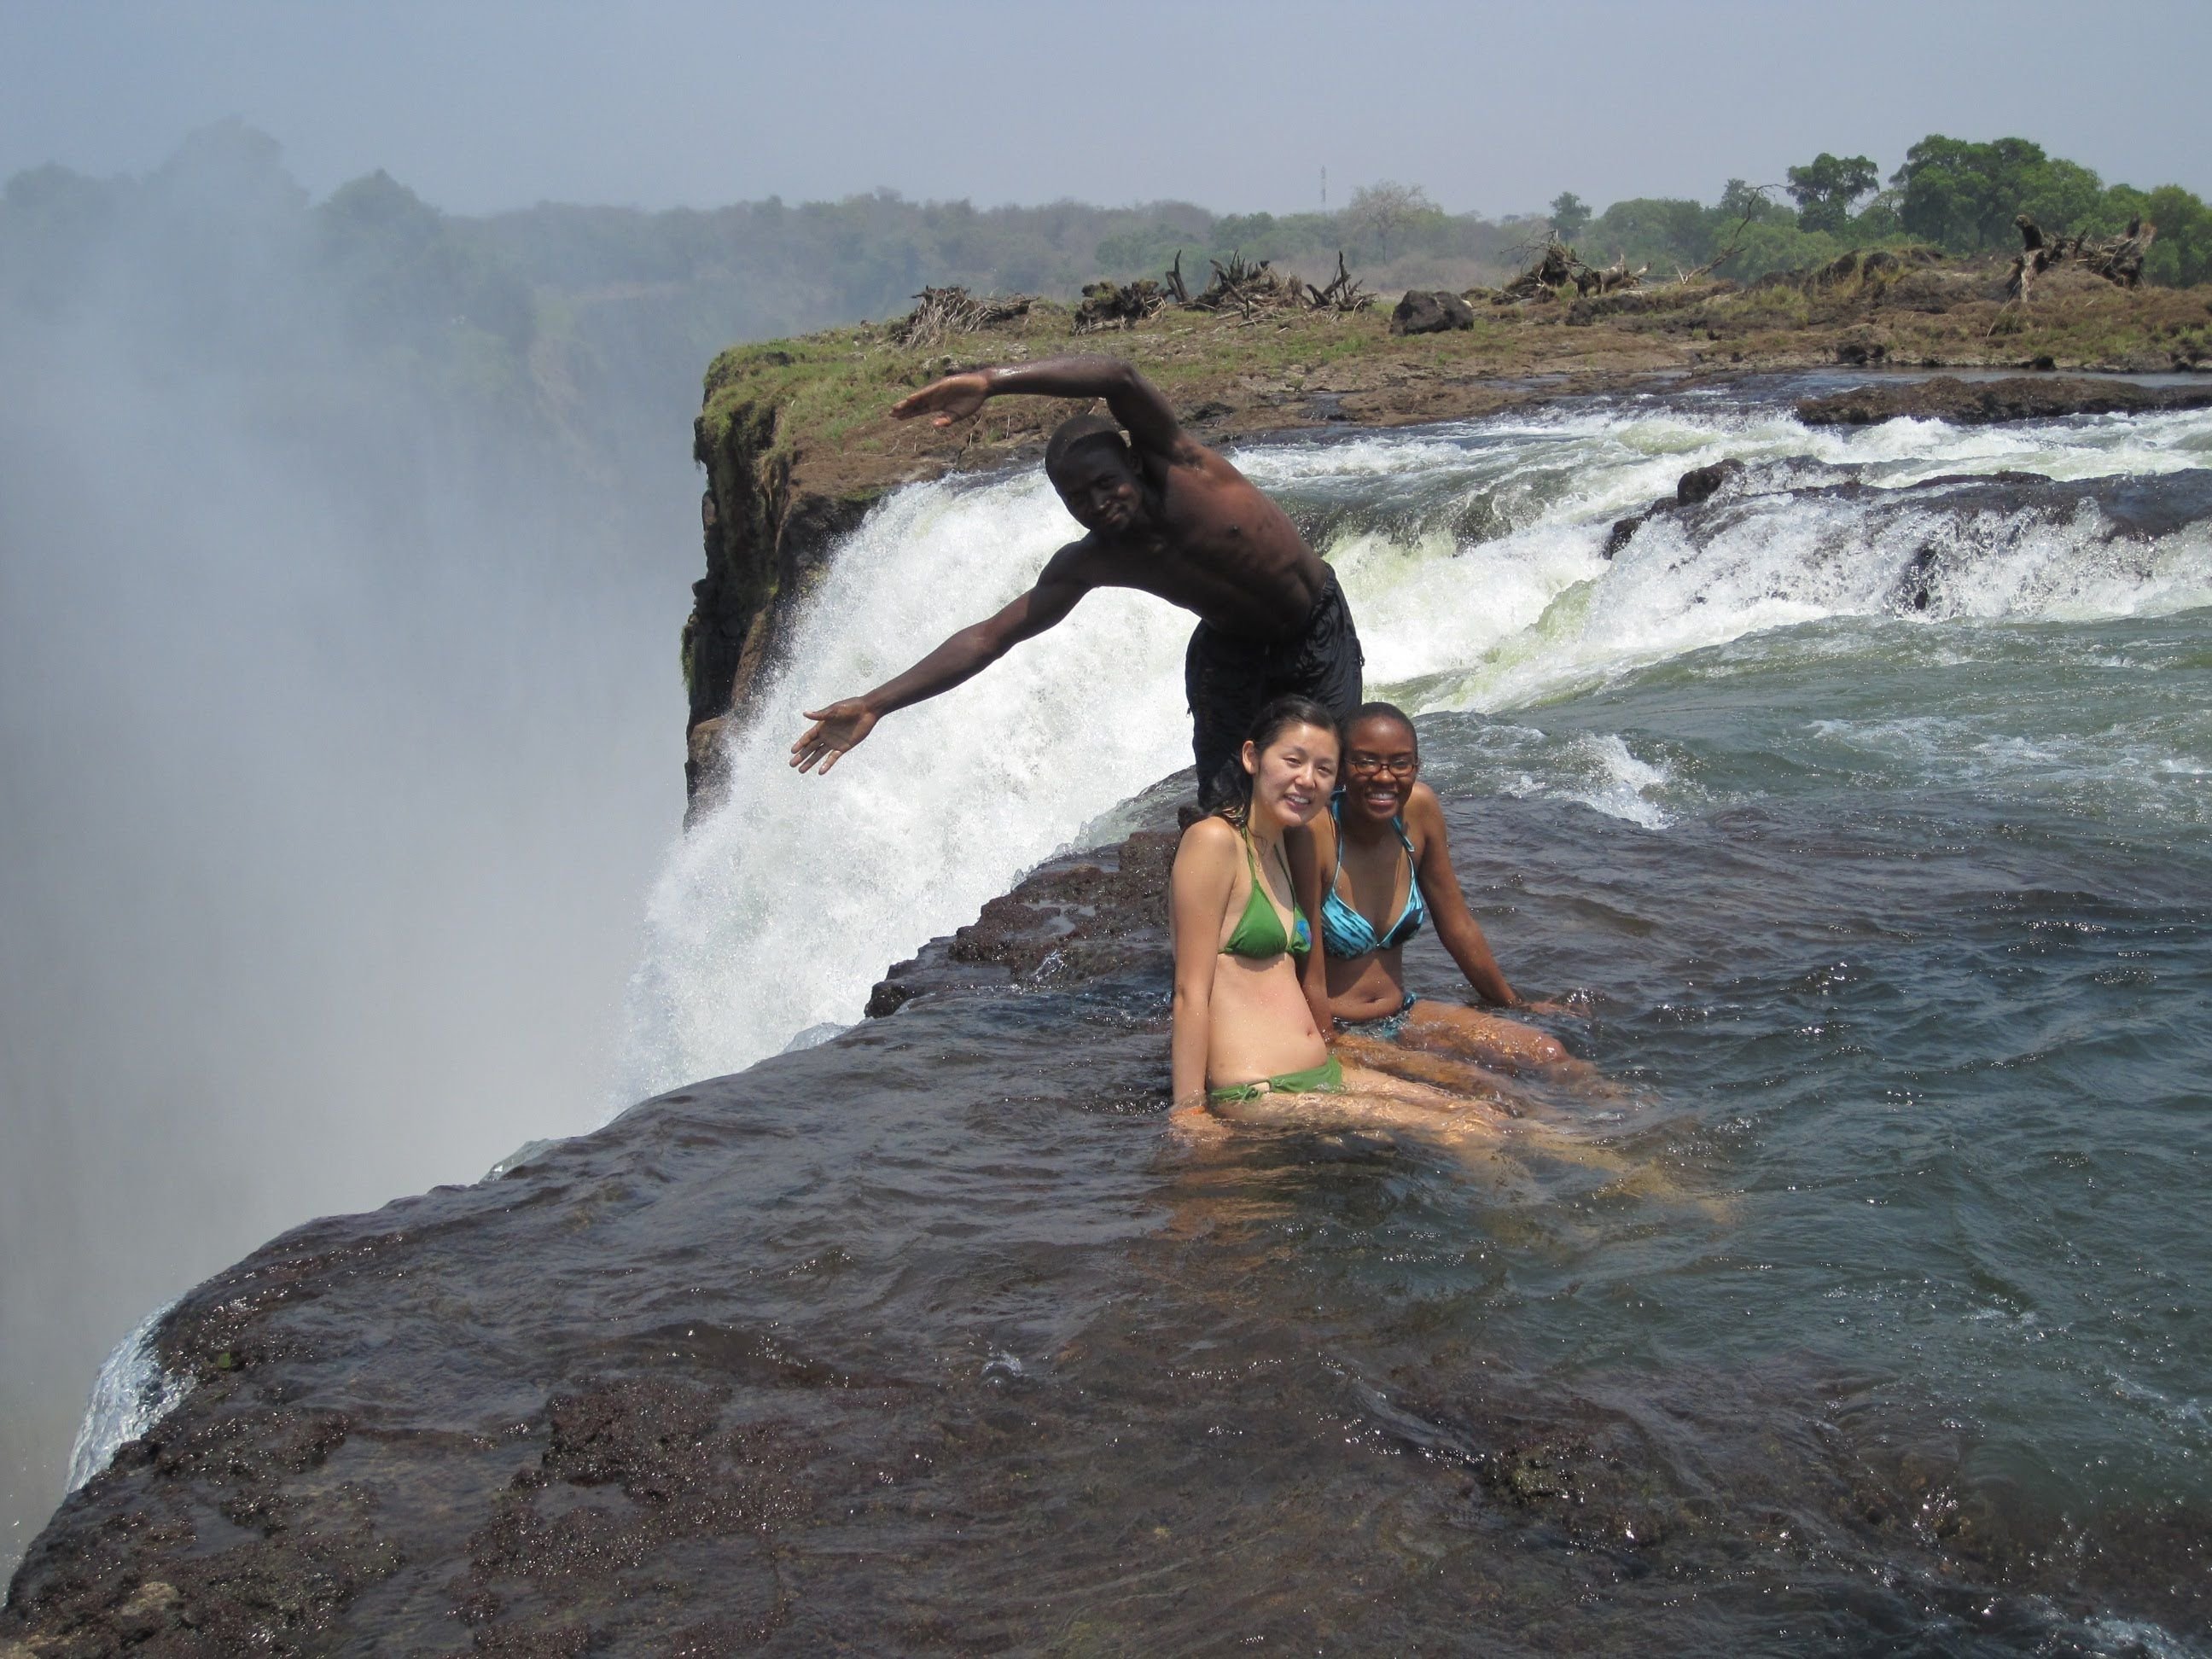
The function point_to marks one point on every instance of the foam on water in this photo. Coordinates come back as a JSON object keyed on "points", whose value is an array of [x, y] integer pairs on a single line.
{"points": [[1472, 557], [131, 1395]]}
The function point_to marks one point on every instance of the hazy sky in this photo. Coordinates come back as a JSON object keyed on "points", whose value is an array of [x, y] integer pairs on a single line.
{"points": [[1239, 107]]}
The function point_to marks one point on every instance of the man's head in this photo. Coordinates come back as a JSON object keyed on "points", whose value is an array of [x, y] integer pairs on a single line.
{"points": [[1089, 464]]}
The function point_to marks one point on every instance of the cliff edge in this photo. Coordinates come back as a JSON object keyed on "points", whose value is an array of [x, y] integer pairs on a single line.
{"points": [[797, 443]]}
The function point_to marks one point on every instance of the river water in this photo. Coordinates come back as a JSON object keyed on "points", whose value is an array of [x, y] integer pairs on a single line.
{"points": [[1869, 810]]}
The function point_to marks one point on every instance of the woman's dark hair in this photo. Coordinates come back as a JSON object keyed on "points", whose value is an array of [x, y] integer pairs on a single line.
{"points": [[1382, 711], [1277, 718]]}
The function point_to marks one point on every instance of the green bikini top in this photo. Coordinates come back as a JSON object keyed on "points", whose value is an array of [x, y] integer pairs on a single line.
{"points": [[1259, 932]]}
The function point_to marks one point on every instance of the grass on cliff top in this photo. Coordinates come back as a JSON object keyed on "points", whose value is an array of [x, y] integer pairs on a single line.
{"points": [[835, 390]]}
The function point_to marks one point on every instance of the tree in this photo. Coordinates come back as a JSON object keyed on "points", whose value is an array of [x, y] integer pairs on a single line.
{"points": [[1570, 216], [1388, 208], [1741, 199], [2182, 256], [1963, 196], [1825, 188]]}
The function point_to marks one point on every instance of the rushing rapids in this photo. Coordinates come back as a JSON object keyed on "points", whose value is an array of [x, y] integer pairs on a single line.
{"points": [[1474, 556], [1867, 805]]}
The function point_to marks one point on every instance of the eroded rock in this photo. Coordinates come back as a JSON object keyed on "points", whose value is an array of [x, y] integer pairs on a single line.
{"points": [[1981, 402]]}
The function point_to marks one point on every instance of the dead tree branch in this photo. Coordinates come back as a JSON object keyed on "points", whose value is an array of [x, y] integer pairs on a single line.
{"points": [[1342, 294], [2117, 259], [1110, 304], [1735, 246], [943, 312]]}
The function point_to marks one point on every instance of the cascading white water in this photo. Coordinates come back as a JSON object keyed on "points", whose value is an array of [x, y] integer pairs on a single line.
{"points": [[776, 912], [130, 1396]]}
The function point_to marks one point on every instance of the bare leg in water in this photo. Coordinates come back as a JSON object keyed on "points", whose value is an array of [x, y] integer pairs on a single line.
{"points": [[1478, 1128], [1507, 1045]]}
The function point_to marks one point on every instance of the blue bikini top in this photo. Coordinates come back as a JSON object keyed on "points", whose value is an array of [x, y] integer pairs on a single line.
{"points": [[1343, 929]]}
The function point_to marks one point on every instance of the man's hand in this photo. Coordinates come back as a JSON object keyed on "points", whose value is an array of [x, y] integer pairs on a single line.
{"points": [[955, 397], [836, 729]]}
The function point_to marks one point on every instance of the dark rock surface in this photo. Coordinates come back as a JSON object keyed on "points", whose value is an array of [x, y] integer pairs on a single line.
{"points": [[1693, 488], [1980, 403], [1425, 311], [422, 1431]]}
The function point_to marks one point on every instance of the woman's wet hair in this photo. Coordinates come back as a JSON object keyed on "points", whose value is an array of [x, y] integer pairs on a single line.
{"points": [[1382, 711], [1277, 718], [1081, 430]]}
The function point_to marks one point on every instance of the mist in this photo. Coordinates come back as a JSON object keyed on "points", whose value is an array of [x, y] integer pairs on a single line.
{"points": [[341, 732]]}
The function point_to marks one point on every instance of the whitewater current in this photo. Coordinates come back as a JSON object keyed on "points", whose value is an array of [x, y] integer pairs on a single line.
{"points": [[1474, 556]]}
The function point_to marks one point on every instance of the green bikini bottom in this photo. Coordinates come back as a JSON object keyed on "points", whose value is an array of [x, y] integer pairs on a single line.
{"points": [[1325, 1079]]}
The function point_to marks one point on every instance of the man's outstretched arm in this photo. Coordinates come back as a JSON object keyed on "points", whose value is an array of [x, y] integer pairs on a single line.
{"points": [[1135, 401], [844, 723]]}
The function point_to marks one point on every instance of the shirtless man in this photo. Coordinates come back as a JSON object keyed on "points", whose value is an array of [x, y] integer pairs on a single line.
{"points": [[1167, 516]]}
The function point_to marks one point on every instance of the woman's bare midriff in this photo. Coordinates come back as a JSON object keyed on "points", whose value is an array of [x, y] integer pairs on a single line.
{"points": [[1261, 1026], [1368, 986]]}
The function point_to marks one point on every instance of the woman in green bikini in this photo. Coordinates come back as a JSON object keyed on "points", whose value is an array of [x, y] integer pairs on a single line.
{"points": [[1243, 1030]]}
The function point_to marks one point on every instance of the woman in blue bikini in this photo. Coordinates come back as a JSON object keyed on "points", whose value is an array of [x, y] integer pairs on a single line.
{"points": [[1381, 870], [1243, 1030]]}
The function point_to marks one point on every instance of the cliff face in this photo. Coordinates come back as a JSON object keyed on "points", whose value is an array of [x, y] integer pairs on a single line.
{"points": [[764, 542]]}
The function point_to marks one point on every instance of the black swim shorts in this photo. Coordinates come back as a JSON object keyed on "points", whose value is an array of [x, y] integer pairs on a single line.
{"points": [[1229, 679]]}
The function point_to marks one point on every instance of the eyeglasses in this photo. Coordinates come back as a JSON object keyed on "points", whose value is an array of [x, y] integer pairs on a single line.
{"points": [[1400, 766]]}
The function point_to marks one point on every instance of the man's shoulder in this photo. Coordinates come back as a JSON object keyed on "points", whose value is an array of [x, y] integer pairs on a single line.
{"points": [[1186, 454], [1080, 562]]}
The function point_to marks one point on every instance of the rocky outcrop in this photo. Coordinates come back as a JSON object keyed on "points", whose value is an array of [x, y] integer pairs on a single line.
{"points": [[559, 1410], [1425, 311], [1981, 402], [1693, 488]]}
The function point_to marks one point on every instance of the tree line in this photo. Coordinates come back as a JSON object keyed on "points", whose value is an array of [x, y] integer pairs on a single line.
{"points": [[221, 256], [1949, 193]]}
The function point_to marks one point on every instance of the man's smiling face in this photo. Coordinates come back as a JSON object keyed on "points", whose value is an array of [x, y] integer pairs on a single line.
{"points": [[1101, 489]]}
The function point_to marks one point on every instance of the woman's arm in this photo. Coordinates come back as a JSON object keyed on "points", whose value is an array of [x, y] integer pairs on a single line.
{"points": [[1204, 873], [1456, 927], [1310, 850]]}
